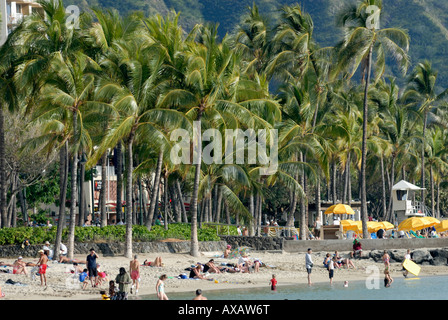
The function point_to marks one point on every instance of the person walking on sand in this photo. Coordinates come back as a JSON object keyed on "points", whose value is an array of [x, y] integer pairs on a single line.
{"points": [[199, 295], [92, 267], [134, 270], [309, 264], [407, 256], [160, 288], [386, 259], [42, 264]]}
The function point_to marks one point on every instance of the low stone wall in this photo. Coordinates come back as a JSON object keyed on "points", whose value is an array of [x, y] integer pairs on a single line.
{"points": [[117, 249], [367, 244], [255, 243]]}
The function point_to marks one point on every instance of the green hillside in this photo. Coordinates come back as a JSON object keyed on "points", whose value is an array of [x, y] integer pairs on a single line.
{"points": [[426, 20]]}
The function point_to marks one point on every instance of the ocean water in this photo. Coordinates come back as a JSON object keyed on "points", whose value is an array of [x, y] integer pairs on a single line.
{"points": [[416, 288]]}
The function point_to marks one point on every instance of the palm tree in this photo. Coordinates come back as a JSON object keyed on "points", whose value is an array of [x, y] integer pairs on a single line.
{"points": [[358, 46], [421, 94]]}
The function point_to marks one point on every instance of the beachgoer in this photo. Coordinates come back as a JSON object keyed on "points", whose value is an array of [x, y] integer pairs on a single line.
{"points": [[104, 296], [42, 264], [92, 267], [317, 226], [273, 283], [76, 268], [63, 249], [380, 233], [102, 276], [84, 278], [47, 247], [327, 260], [346, 284], [257, 264], [227, 251], [387, 278], [386, 259], [343, 262], [357, 249], [331, 265], [309, 264], [112, 290], [160, 288], [210, 267], [123, 280], [63, 259], [244, 263], [195, 273], [240, 232], [157, 262], [199, 295], [1, 293], [19, 267], [407, 256], [134, 270]]}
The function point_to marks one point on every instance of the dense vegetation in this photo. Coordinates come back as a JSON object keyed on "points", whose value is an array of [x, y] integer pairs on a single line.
{"points": [[345, 128]]}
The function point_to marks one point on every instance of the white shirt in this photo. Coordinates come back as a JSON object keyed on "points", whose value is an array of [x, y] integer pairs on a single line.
{"points": [[331, 264], [63, 248], [308, 261]]}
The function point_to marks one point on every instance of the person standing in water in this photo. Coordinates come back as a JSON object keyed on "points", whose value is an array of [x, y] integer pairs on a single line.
{"points": [[160, 288], [309, 264]]}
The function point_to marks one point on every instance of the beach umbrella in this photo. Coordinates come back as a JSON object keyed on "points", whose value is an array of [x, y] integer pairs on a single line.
{"points": [[430, 221], [416, 223], [348, 225], [442, 226], [339, 209], [386, 225], [373, 226]]}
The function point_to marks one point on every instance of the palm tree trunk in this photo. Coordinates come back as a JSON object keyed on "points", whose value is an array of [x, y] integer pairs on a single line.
{"points": [[182, 203], [194, 250], [431, 177], [383, 185], [119, 207], [165, 200], [129, 168], [365, 232], [425, 118], [438, 196], [153, 206], [63, 177], [103, 191], [392, 180], [3, 182], [74, 184], [82, 198]]}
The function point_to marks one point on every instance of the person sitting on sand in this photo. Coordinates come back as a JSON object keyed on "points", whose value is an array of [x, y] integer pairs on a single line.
{"points": [[227, 251], [244, 263], [357, 249], [346, 262], [103, 277], [19, 267], [84, 278], [76, 268], [195, 273], [210, 267], [157, 262], [257, 264], [327, 260], [112, 290]]}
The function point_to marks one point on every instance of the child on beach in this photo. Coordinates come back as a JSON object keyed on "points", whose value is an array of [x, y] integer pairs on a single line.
{"points": [[83, 278], [112, 290], [104, 296], [273, 283]]}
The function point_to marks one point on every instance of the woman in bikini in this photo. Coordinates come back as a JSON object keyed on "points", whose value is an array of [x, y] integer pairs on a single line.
{"points": [[386, 259]]}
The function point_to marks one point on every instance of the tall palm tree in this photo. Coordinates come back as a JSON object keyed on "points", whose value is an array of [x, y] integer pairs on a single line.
{"points": [[421, 94], [358, 45]]}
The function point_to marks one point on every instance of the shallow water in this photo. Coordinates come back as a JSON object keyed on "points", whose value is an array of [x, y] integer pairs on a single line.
{"points": [[417, 288]]}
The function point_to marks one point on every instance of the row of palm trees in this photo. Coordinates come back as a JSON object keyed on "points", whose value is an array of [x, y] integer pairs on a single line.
{"points": [[128, 82]]}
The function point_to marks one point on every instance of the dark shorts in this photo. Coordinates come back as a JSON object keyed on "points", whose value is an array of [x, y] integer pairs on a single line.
{"points": [[93, 272], [308, 270], [331, 273]]}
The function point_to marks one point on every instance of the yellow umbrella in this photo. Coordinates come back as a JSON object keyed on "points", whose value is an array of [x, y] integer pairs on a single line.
{"points": [[417, 223], [431, 221], [386, 225], [373, 226], [348, 225], [339, 209], [442, 226], [356, 227]]}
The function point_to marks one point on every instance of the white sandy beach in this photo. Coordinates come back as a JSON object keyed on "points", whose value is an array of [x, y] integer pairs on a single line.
{"points": [[289, 268]]}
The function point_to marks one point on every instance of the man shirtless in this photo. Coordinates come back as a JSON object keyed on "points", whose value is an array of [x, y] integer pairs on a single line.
{"points": [[199, 295], [42, 264], [134, 270]]}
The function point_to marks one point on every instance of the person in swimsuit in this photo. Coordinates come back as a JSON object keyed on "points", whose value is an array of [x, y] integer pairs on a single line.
{"points": [[386, 259], [42, 264], [134, 270], [160, 288], [199, 295]]}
